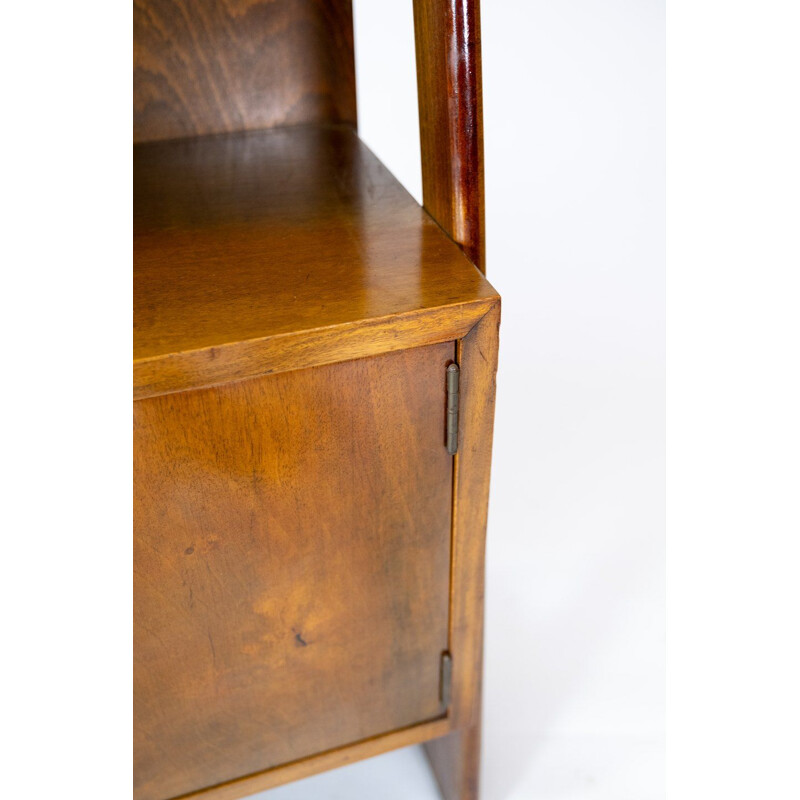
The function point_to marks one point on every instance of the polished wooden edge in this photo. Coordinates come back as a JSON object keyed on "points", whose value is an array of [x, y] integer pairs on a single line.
{"points": [[286, 773], [212, 366], [477, 355], [455, 757]]}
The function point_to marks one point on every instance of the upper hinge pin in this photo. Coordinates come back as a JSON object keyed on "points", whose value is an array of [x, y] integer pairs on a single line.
{"points": [[452, 408]]}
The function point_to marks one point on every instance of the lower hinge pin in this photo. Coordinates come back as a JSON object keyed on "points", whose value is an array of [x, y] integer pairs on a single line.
{"points": [[445, 679]]}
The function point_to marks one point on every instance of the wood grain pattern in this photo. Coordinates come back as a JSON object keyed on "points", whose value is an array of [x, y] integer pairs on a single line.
{"points": [[210, 367], [280, 249], [456, 758], [215, 66], [448, 44], [291, 566], [304, 547], [332, 759]]}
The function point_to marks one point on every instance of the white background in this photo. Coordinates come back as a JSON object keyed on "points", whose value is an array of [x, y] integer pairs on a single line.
{"points": [[574, 120], [574, 108]]}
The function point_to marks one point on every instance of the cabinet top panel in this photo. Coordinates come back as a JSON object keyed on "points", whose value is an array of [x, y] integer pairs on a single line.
{"points": [[266, 251]]}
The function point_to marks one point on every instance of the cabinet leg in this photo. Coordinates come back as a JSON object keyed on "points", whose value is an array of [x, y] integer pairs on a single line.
{"points": [[455, 759]]}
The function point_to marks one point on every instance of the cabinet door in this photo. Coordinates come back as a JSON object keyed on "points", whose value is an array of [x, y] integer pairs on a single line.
{"points": [[291, 566]]}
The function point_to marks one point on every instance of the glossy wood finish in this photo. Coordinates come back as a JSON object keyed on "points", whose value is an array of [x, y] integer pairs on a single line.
{"points": [[214, 66], [292, 567], [451, 119], [456, 758], [260, 252], [304, 546]]}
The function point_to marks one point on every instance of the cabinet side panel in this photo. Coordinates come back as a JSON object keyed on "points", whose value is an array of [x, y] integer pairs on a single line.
{"points": [[455, 758], [478, 359], [216, 66], [291, 566]]}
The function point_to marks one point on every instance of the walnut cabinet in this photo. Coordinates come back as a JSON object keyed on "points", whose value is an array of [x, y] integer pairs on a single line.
{"points": [[314, 365]]}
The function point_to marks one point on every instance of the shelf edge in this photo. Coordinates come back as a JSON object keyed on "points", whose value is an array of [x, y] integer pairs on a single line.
{"points": [[212, 366]]}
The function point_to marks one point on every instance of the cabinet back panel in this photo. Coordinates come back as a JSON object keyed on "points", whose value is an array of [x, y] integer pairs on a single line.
{"points": [[291, 566], [216, 66]]}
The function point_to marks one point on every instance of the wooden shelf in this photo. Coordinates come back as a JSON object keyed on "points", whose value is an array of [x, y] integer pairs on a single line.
{"points": [[272, 250]]}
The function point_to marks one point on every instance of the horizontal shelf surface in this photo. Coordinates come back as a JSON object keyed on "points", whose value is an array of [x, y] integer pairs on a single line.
{"points": [[245, 241]]}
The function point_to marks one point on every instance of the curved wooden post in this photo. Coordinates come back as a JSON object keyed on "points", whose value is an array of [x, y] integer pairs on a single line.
{"points": [[447, 34], [448, 45]]}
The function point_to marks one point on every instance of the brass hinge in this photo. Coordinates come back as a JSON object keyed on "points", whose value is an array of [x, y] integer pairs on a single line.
{"points": [[452, 408], [445, 679]]}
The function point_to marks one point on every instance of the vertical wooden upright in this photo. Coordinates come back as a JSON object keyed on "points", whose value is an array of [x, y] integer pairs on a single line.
{"points": [[448, 44], [451, 136], [455, 758]]}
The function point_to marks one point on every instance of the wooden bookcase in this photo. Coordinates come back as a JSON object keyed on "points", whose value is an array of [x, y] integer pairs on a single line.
{"points": [[310, 347]]}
